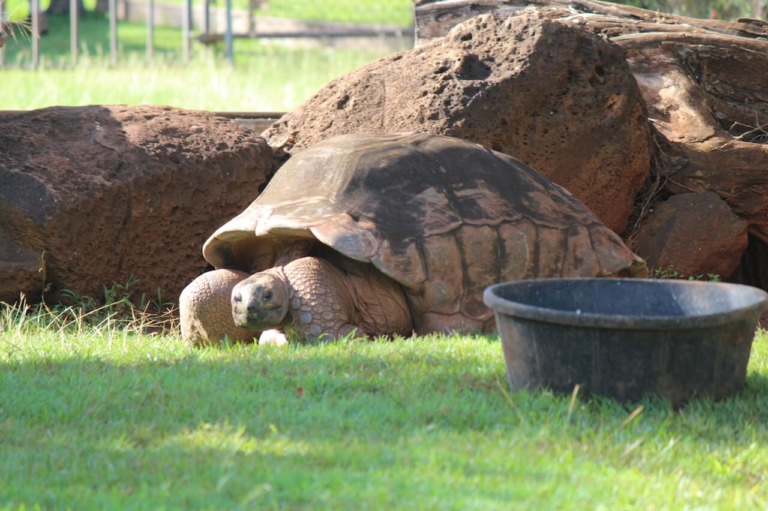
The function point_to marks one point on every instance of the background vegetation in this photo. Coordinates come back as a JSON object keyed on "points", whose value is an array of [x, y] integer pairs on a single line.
{"points": [[266, 75], [265, 78], [385, 12]]}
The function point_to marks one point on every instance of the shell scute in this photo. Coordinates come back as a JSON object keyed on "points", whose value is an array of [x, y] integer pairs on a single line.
{"points": [[403, 261], [356, 240], [481, 267], [443, 286], [517, 249], [579, 257]]}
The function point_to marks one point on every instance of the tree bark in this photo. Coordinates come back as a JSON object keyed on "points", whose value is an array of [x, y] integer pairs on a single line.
{"points": [[435, 18]]}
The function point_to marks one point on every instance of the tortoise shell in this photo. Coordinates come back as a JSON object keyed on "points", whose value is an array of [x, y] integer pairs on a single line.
{"points": [[442, 216]]}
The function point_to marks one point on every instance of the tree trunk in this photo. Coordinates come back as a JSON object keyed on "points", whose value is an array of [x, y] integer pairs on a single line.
{"points": [[102, 6], [62, 7]]}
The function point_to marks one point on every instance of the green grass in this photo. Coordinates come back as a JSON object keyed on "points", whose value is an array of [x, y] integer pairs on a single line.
{"points": [[380, 12], [100, 416], [265, 76], [385, 12], [280, 83]]}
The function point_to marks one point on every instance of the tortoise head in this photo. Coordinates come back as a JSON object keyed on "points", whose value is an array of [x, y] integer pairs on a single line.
{"points": [[261, 301]]}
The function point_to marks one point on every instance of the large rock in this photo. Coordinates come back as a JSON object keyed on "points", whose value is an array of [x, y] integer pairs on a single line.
{"points": [[90, 196], [704, 83], [694, 233], [559, 98]]}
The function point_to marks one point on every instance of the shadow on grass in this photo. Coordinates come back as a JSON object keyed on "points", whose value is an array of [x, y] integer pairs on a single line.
{"points": [[259, 388], [312, 392], [348, 425], [226, 427]]}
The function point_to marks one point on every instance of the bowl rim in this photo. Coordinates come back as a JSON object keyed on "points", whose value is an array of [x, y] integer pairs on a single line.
{"points": [[519, 310]]}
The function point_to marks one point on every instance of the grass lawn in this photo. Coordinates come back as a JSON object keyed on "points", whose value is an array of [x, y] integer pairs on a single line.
{"points": [[383, 12], [105, 417], [277, 81], [266, 76]]}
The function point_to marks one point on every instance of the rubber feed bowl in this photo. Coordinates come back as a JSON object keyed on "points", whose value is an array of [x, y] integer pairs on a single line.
{"points": [[625, 338]]}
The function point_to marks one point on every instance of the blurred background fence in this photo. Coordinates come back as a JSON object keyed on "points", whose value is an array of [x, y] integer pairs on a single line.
{"points": [[37, 26], [220, 55]]}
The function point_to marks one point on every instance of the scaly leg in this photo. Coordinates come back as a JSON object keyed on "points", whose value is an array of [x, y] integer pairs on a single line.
{"points": [[205, 311]]}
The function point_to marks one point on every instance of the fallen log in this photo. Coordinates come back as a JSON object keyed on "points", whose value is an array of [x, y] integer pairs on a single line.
{"points": [[434, 18]]}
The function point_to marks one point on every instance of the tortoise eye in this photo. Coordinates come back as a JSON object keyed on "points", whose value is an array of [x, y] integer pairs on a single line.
{"points": [[267, 295]]}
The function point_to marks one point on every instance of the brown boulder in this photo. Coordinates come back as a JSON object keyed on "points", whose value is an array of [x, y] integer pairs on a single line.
{"points": [[694, 233], [90, 196], [704, 84], [560, 98]]}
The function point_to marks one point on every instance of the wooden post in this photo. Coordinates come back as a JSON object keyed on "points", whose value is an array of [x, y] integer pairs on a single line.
{"points": [[186, 30], [757, 9], [150, 30], [34, 7], [252, 6], [228, 36], [3, 27], [74, 14], [207, 17], [113, 32]]}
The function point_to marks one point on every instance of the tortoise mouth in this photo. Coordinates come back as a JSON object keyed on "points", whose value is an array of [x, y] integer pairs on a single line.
{"points": [[259, 303], [263, 319], [260, 320]]}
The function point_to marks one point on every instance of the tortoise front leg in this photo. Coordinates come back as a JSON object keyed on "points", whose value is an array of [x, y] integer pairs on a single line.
{"points": [[320, 305], [274, 337], [205, 311]]}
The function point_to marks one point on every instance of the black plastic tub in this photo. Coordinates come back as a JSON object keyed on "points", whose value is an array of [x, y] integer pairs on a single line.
{"points": [[625, 338]]}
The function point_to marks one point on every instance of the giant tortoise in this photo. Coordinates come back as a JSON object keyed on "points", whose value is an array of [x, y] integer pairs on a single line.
{"points": [[387, 234]]}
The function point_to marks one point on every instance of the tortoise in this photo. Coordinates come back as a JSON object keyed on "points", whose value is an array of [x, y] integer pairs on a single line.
{"points": [[390, 234]]}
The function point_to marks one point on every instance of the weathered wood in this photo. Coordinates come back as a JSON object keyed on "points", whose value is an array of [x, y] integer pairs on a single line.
{"points": [[353, 31], [435, 19], [258, 121]]}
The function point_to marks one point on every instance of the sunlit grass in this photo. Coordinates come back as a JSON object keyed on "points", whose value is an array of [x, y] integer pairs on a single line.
{"points": [[384, 12], [115, 418], [265, 76], [279, 83]]}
